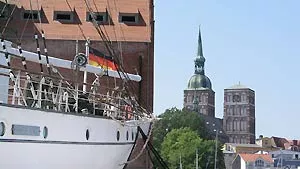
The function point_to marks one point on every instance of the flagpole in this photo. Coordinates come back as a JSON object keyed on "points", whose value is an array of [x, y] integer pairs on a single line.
{"points": [[197, 165], [180, 164], [85, 72]]}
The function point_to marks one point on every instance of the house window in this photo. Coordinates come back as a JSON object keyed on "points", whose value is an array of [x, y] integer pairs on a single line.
{"points": [[128, 17], [259, 163], [64, 16], [99, 17], [30, 15]]}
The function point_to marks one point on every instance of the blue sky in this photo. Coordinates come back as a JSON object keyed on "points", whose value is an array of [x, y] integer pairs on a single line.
{"points": [[255, 42]]}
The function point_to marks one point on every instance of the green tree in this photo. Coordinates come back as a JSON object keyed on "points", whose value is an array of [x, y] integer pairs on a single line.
{"points": [[184, 142], [180, 142], [174, 119], [207, 155]]}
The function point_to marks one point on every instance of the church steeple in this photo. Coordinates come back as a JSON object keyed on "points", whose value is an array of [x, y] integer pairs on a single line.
{"points": [[199, 61], [200, 51]]}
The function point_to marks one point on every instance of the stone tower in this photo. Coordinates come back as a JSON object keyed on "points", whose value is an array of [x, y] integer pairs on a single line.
{"points": [[199, 96], [239, 114]]}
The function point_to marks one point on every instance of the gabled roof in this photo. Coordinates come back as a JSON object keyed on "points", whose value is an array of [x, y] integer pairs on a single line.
{"points": [[279, 142], [254, 157]]}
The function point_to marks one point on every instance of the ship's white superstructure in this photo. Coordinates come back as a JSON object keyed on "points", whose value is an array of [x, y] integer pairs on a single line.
{"points": [[45, 123]]}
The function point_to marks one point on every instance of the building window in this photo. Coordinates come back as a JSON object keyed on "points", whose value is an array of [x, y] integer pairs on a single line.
{"points": [[228, 125], [234, 125], [259, 163], [204, 111], [64, 16], [100, 17], [236, 98], [230, 98], [129, 17], [231, 126], [30, 15]]}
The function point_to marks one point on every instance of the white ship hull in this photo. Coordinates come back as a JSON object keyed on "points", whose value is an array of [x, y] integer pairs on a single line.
{"points": [[71, 141]]}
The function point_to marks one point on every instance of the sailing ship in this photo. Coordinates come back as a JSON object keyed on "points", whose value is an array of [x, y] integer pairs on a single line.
{"points": [[48, 121]]}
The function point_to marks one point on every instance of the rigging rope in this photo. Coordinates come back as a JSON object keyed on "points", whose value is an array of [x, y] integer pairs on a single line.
{"points": [[81, 30], [144, 146], [117, 59], [11, 73], [46, 53], [2, 11], [38, 50], [8, 20], [44, 39]]}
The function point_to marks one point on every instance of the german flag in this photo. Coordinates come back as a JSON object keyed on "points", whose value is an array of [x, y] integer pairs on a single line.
{"points": [[99, 59]]}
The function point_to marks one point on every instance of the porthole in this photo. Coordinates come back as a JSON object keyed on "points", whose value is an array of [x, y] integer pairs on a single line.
{"points": [[45, 132], [118, 135], [127, 135], [87, 134], [2, 129], [132, 136]]}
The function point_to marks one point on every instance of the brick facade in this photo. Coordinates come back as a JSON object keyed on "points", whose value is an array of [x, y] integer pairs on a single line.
{"points": [[239, 115], [205, 104]]}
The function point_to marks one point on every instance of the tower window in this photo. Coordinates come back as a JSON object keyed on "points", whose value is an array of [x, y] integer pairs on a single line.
{"points": [[30, 15], [236, 98], [64, 16], [128, 17]]}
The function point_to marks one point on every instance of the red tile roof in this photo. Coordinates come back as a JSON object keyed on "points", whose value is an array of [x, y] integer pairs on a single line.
{"points": [[254, 157]]}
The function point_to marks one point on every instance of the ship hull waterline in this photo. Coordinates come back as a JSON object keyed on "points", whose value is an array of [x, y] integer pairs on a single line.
{"points": [[35, 139]]}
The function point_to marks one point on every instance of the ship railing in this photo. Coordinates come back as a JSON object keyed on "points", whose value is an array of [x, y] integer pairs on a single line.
{"points": [[44, 93]]}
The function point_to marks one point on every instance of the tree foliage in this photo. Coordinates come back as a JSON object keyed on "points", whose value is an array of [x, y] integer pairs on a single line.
{"points": [[180, 142], [174, 119], [183, 132], [183, 143]]}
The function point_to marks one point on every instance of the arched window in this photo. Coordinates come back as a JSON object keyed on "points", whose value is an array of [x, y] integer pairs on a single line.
{"points": [[228, 126], [259, 163]]}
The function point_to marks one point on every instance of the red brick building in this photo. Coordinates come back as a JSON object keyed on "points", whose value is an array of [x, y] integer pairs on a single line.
{"points": [[129, 25], [239, 114]]}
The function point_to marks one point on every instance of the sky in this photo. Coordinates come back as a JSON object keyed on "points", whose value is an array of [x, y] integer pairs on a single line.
{"points": [[254, 42]]}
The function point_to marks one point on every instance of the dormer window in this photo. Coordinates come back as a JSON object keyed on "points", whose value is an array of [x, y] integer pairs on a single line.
{"points": [[129, 17], [259, 163], [100, 17], [64, 16], [30, 15]]}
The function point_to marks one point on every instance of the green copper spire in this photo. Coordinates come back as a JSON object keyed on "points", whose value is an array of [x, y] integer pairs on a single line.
{"points": [[200, 51], [199, 81], [199, 61]]}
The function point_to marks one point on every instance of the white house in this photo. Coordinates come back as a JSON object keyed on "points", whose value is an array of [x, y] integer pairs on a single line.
{"points": [[253, 161]]}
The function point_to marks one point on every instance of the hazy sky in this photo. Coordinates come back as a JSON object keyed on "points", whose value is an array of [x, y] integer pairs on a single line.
{"points": [[255, 42]]}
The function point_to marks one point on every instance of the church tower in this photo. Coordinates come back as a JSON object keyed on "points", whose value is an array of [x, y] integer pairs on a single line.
{"points": [[199, 96], [239, 114]]}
